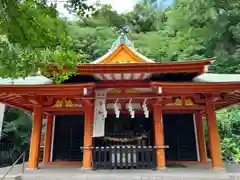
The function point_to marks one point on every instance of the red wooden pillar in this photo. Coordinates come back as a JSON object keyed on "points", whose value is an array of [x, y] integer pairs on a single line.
{"points": [[201, 138], [48, 139], [159, 136], [214, 139], [34, 154], [88, 128]]}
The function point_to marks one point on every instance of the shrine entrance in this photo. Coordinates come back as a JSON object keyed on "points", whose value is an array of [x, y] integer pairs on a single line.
{"points": [[127, 144], [68, 138]]}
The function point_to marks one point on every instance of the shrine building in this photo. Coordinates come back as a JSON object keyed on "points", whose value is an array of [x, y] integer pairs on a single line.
{"points": [[125, 111]]}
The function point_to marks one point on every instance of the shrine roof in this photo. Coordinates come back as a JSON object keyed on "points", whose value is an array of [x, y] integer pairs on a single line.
{"points": [[30, 80], [210, 77], [123, 67], [122, 51], [122, 58]]}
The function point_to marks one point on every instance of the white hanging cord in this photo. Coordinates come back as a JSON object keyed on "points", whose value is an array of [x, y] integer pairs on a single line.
{"points": [[116, 109], [145, 108], [130, 108]]}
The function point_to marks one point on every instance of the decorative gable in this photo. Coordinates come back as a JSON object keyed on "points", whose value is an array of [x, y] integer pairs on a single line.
{"points": [[122, 55], [122, 51]]}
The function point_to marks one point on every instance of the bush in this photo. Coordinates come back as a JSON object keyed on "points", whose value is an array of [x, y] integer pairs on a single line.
{"points": [[231, 148]]}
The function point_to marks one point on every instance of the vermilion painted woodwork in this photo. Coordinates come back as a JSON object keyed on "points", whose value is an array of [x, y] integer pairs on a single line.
{"points": [[179, 111], [194, 107], [34, 154], [88, 127], [48, 138], [96, 69], [103, 77], [31, 97], [201, 137], [123, 84], [141, 76], [44, 89], [194, 67], [63, 109], [135, 66], [131, 76], [27, 97], [194, 87], [67, 112], [113, 77], [159, 135], [214, 139]]}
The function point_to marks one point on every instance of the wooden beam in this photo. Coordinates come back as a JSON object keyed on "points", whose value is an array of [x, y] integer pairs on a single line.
{"points": [[141, 76], [194, 107], [6, 96], [63, 109], [103, 77], [87, 103], [35, 99], [122, 76], [201, 138], [131, 76], [123, 84], [159, 136], [45, 89], [131, 95], [67, 112], [113, 77], [88, 128], [48, 139], [34, 154], [214, 139], [144, 67], [195, 87]]}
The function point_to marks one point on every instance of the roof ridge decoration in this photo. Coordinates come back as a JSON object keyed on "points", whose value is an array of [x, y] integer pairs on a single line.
{"points": [[122, 51], [122, 39]]}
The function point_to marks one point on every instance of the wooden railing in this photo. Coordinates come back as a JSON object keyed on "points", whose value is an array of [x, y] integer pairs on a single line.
{"points": [[124, 157]]}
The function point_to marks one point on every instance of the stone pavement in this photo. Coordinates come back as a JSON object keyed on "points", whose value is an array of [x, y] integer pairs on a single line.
{"points": [[170, 174], [73, 172]]}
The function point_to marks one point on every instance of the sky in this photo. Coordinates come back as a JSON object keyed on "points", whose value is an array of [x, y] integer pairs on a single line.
{"points": [[119, 5]]}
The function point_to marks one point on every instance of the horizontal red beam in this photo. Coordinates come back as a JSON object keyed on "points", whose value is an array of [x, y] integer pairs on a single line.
{"points": [[193, 66], [123, 84], [194, 87], [41, 89], [194, 107], [62, 109], [67, 112]]}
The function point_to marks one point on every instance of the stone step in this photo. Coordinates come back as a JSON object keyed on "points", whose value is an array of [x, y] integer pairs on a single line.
{"points": [[119, 176], [12, 177], [123, 176]]}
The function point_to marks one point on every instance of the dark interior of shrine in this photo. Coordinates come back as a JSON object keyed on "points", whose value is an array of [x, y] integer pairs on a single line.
{"points": [[179, 135]]}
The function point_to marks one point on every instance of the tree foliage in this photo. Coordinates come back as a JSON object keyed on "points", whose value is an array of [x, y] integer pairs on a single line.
{"points": [[228, 124], [17, 128], [33, 36]]}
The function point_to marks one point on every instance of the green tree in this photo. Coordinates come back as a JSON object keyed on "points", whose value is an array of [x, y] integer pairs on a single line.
{"points": [[206, 28], [33, 36], [228, 124]]}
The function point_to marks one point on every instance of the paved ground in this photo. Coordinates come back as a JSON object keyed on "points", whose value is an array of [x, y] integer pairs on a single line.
{"points": [[73, 172]]}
